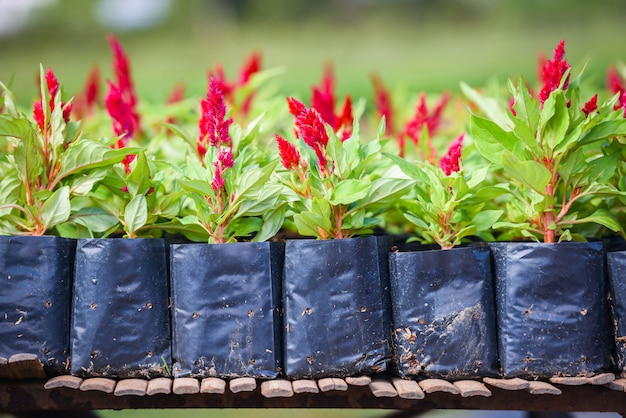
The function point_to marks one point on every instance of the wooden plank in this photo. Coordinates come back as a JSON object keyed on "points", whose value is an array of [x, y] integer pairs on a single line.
{"points": [[26, 366], [602, 379], [161, 385], [64, 381], [100, 384], [30, 396], [617, 384], [438, 385], [359, 380], [569, 380], [507, 384], [185, 386], [213, 385], [382, 389], [469, 388], [407, 389], [277, 388], [305, 386], [131, 387], [242, 384], [332, 383], [542, 388], [5, 370]]}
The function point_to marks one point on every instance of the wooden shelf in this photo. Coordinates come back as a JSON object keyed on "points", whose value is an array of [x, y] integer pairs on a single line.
{"points": [[73, 394]]}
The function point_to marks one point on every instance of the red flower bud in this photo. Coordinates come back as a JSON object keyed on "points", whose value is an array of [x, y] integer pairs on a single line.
{"points": [[289, 155], [553, 72], [450, 163], [591, 105], [213, 124]]}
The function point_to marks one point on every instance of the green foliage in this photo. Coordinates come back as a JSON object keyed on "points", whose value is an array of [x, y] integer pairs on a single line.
{"points": [[553, 157]]}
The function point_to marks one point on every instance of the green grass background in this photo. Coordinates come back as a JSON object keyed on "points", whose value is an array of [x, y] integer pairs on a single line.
{"points": [[415, 45]]}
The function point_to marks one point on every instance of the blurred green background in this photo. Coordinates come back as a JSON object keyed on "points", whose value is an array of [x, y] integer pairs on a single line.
{"points": [[415, 45]]}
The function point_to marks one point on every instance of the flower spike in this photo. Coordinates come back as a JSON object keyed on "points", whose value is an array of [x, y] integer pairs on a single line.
{"points": [[591, 105], [311, 128], [553, 72], [289, 155], [213, 124], [450, 163]]}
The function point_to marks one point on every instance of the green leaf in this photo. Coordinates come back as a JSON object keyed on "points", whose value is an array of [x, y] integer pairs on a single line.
{"points": [[272, 223], [197, 186], [384, 192], [485, 219], [94, 219], [138, 181], [309, 224], [491, 140], [410, 169], [349, 191], [57, 208], [530, 172], [14, 127], [490, 107], [603, 217], [603, 130], [135, 215]]}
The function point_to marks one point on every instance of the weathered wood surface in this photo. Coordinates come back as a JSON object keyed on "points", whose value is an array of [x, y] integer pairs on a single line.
{"points": [[31, 395]]}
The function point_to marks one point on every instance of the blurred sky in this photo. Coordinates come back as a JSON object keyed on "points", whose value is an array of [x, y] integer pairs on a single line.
{"points": [[415, 45]]}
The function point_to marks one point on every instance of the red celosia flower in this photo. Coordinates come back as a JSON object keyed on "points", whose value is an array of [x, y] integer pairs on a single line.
{"points": [[213, 124], [92, 87], [86, 100], [120, 112], [616, 85], [423, 117], [310, 127], [53, 87], [553, 72], [125, 85], [289, 155], [591, 105], [383, 103], [122, 118], [345, 120], [250, 67], [176, 95], [224, 162], [225, 87], [450, 163]]}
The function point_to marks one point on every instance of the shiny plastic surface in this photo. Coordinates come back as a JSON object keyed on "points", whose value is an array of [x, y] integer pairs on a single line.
{"points": [[226, 309], [444, 313], [552, 308], [120, 315], [36, 279], [337, 311], [616, 266]]}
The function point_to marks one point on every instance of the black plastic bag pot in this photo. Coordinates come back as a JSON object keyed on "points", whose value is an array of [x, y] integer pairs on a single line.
{"points": [[444, 313], [337, 319], [35, 298], [616, 263], [120, 315], [552, 309], [226, 309]]}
